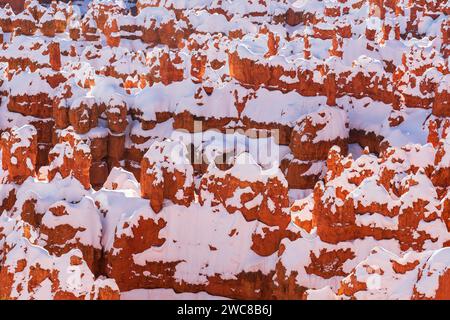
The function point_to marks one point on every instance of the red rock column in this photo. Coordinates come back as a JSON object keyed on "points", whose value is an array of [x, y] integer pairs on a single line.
{"points": [[25, 24], [371, 33], [116, 114], [198, 66], [445, 30], [377, 9], [70, 157], [308, 150], [336, 48], [331, 88], [307, 46], [387, 28], [441, 104], [16, 5], [6, 21], [332, 9], [273, 42], [19, 148], [397, 30], [112, 33], [74, 30], [48, 27], [84, 115], [54, 53], [166, 173]]}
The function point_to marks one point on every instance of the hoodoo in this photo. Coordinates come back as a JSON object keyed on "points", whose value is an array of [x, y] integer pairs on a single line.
{"points": [[246, 149]]}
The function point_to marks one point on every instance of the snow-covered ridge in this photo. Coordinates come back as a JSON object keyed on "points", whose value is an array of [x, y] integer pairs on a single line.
{"points": [[275, 149]]}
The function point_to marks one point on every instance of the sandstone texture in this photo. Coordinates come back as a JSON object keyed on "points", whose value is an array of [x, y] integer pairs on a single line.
{"points": [[247, 149]]}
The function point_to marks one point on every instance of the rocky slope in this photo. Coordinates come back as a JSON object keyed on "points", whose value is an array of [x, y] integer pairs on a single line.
{"points": [[273, 149]]}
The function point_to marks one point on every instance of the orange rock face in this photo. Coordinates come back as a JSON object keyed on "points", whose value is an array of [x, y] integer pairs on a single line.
{"points": [[62, 237], [265, 200], [116, 114], [442, 98], [70, 157], [302, 174], [19, 149], [16, 5], [385, 271], [167, 174], [30, 272], [55, 56], [84, 116], [14, 277], [267, 147], [344, 215], [308, 142]]}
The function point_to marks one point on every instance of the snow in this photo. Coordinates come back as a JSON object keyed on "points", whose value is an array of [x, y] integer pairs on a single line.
{"points": [[197, 260], [332, 124], [166, 294], [245, 168], [48, 193], [82, 216], [95, 74], [371, 191], [278, 107], [30, 83], [325, 293], [435, 267], [377, 220], [297, 256], [120, 179]]}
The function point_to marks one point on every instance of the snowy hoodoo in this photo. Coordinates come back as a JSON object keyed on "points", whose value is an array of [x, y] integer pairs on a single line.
{"points": [[249, 149]]}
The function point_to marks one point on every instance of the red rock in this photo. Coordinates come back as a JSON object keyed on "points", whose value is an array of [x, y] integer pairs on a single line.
{"points": [[396, 197], [55, 56], [6, 21], [19, 150], [39, 106], [83, 115], [441, 105], [166, 71], [24, 277], [24, 24], [98, 173], [42, 155], [265, 199], [311, 139], [38, 102], [70, 157], [102, 11], [74, 33], [61, 114], [301, 174], [16, 5], [116, 113], [61, 236], [329, 263], [293, 18], [52, 24], [99, 148], [116, 147], [269, 242], [167, 174], [89, 29], [383, 271], [120, 263], [112, 33]]}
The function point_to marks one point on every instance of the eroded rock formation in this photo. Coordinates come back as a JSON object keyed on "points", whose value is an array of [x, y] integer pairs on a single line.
{"points": [[246, 149]]}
